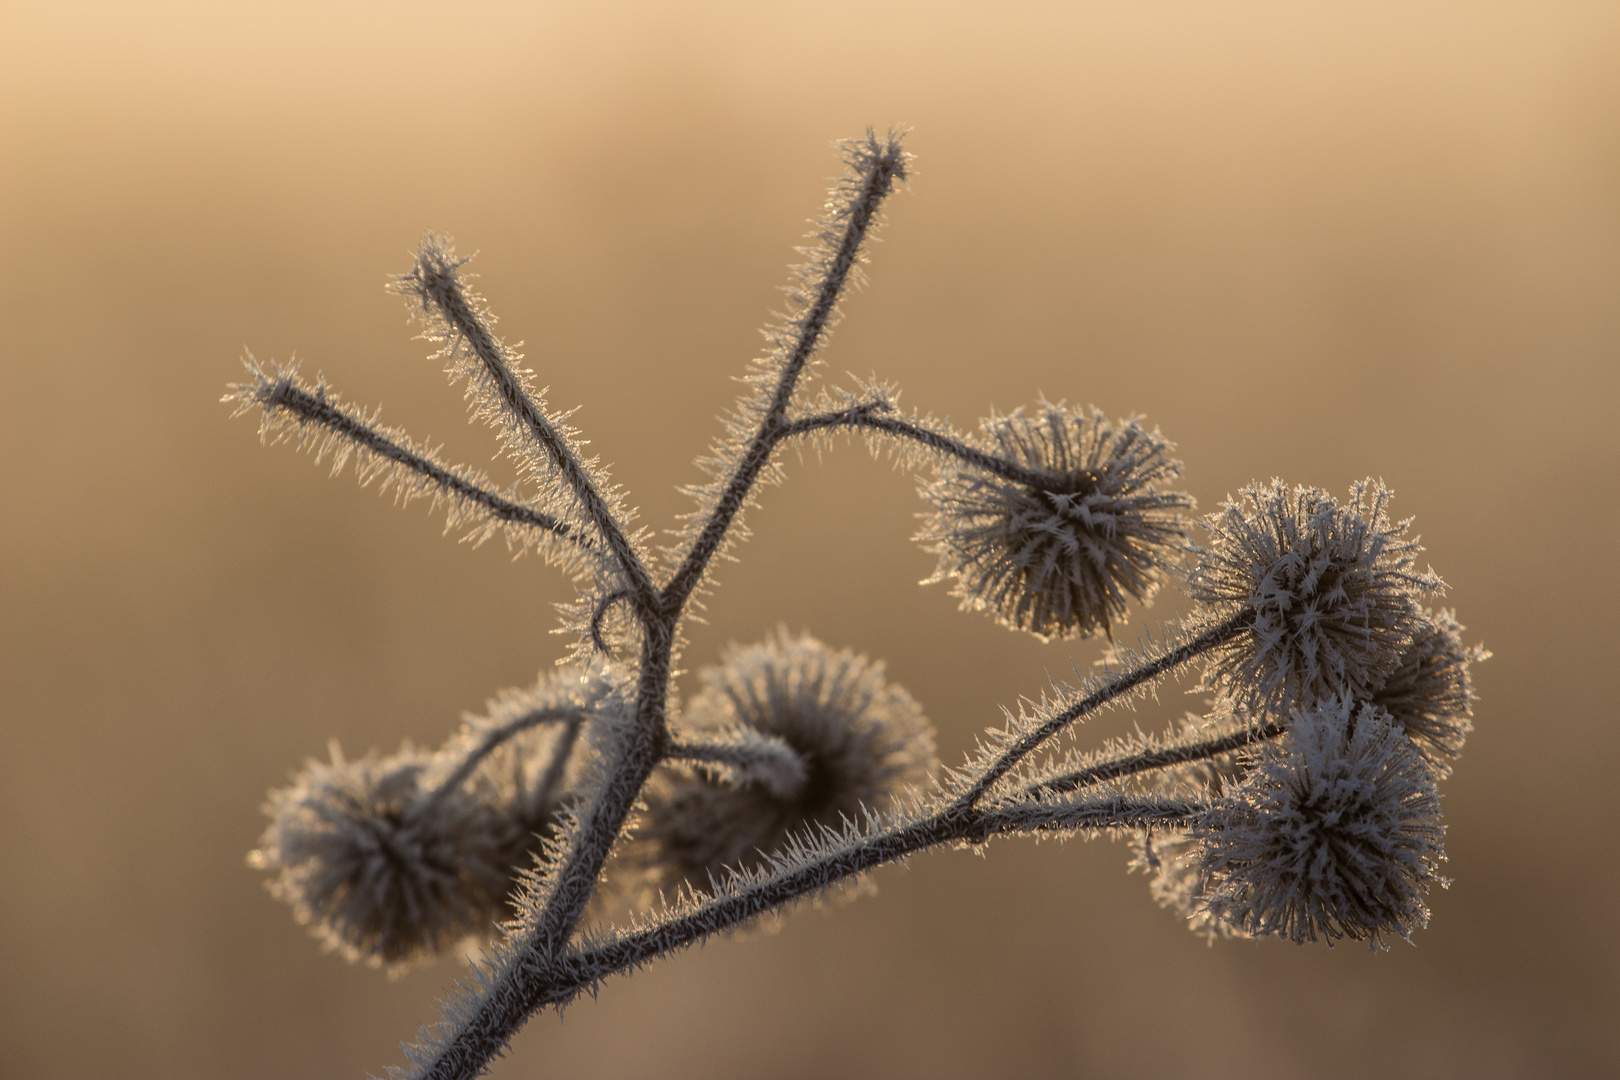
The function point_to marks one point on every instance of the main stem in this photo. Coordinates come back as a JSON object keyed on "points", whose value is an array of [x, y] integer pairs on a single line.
{"points": [[519, 988]]}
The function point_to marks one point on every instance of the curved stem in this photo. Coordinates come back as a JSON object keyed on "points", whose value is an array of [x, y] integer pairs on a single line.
{"points": [[871, 418], [600, 613], [546, 790], [495, 737]]}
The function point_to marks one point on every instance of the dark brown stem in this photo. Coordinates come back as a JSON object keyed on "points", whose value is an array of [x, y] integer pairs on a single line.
{"points": [[495, 737], [871, 418], [459, 313]]}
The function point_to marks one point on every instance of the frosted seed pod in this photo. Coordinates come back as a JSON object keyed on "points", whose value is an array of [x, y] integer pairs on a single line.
{"points": [[1333, 591], [1335, 832], [1060, 558], [382, 870], [860, 738]]}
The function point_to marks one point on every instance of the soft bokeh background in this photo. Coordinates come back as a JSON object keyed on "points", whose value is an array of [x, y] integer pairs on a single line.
{"points": [[1315, 241]]}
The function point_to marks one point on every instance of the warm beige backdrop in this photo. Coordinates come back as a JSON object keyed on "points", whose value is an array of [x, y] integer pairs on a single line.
{"points": [[1314, 241]]}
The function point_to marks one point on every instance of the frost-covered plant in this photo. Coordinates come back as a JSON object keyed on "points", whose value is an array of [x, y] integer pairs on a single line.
{"points": [[1303, 804]]}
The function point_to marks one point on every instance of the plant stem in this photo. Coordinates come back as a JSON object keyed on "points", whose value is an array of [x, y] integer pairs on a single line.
{"points": [[517, 991], [460, 314], [871, 418], [1121, 684], [286, 395], [495, 737], [876, 184], [1156, 759]]}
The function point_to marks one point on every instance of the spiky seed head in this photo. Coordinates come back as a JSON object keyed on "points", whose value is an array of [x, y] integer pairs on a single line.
{"points": [[1333, 591], [861, 740], [1058, 558], [1430, 694], [1335, 832], [381, 868]]}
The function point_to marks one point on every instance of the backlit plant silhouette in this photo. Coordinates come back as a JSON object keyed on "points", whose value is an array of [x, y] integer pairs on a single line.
{"points": [[1302, 806]]}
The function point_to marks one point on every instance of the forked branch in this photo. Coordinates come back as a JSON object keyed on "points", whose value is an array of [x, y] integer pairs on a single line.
{"points": [[880, 165]]}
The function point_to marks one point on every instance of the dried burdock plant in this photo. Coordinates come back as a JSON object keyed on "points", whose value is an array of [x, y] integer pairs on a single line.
{"points": [[1303, 805]]}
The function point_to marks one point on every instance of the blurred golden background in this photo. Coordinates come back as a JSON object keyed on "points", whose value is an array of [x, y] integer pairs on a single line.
{"points": [[1315, 241]]}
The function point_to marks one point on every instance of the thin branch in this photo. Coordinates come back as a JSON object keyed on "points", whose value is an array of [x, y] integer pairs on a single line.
{"points": [[838, 418], [1132, 764], [435, 279], [869, 417], [600, 613], [749, 756], [284, 397], [711, 753], [546, 790], [495, 736], [1118, 686]]}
